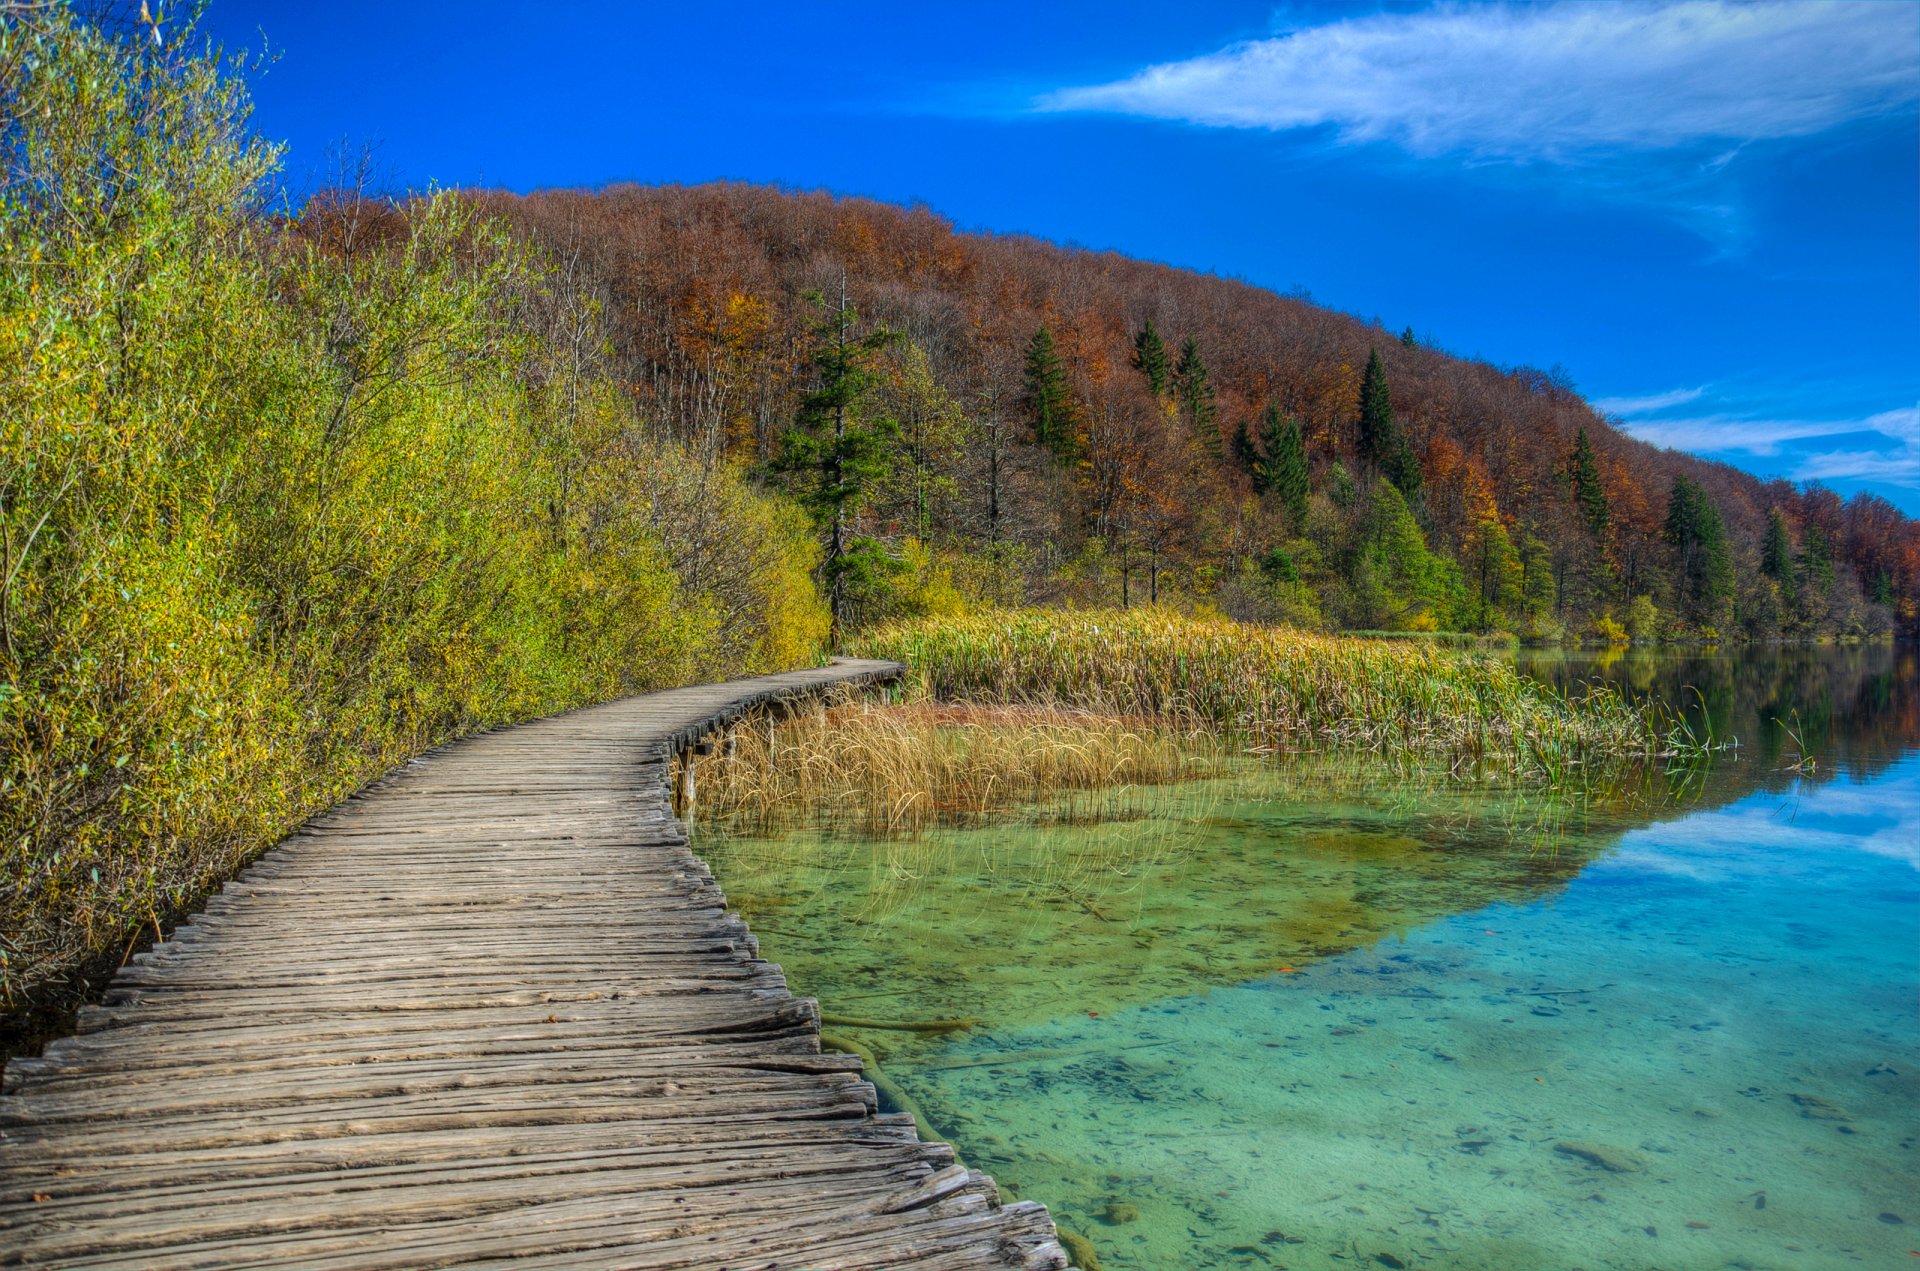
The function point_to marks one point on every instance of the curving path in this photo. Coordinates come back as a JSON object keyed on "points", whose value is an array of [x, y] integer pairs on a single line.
{"points": [[491, 1012]]}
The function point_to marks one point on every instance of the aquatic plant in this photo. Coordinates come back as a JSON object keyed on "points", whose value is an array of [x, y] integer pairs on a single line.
{"points": [[1275, 689], [889, 770]]}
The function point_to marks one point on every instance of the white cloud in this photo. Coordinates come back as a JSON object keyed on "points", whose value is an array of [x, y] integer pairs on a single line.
{"points": [[1567, 80], [1787, 834], [1649, 404], [1882, 447]]}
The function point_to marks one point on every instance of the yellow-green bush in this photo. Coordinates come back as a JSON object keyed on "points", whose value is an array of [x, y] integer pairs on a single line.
{"points": [[282, 503]]}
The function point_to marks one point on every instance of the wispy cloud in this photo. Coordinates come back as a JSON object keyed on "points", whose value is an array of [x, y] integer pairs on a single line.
{"points": [[1567, 81], [1882, 447], [1649, 404]]}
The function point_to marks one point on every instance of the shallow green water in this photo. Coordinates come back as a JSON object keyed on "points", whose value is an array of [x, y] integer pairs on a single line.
{"points": [[1320, 1017]]}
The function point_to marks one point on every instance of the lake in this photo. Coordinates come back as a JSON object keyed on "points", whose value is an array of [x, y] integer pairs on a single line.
{"points": [[1321, 1014]]}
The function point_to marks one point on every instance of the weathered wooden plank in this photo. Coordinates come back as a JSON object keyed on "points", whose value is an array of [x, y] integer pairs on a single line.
{"points": [[490, 1010]]}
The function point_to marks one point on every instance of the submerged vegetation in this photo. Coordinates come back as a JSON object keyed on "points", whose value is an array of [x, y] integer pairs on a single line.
{"points": [[284, 502]]}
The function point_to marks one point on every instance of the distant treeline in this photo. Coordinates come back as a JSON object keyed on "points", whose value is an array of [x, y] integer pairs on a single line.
{"points": [[285, 502], [1036, 423]]}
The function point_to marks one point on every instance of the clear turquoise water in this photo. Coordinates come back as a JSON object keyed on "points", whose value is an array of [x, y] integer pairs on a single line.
{"points": [[1315, 1020]]}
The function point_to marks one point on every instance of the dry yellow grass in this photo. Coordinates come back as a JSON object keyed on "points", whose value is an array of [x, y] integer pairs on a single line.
{"points": [[891, 770]]}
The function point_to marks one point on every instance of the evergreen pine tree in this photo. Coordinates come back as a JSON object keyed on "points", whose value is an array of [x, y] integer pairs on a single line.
{"points": [[1150, 358], [1195, 392], [1716, 583], [1816, 558], [1588, 492], [1049, 398], [1702, 560], [1245, 455], [1381, 442], [1881, 593], [834, 455], [1408, 339], [1376, 413], [1403, 466], [1776, 554], [1282, 472]]}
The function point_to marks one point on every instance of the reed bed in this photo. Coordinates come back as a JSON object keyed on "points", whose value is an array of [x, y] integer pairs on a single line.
{"points": [[893, 770], [1034, 707], [1274, 690]]}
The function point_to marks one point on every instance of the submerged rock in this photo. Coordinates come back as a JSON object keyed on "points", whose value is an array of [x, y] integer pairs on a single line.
{"points": [[1615, 1159], [1818, 1109]]}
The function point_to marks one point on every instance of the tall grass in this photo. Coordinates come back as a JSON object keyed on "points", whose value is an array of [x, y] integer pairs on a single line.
{"points": [[1276, 689], [888, 771]]}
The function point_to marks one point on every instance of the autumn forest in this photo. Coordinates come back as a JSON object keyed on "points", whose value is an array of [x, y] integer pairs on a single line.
{"points": [[1019, 421]]}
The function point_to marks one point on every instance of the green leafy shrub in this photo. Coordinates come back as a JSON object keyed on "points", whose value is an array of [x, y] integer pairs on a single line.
{"points": [[283, 503]]}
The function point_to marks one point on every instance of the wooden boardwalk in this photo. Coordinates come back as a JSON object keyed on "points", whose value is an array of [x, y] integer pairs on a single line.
{"points": [[491, 1012]]}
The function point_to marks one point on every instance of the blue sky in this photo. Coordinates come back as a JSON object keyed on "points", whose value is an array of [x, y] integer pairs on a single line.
{"points": [[1708, 212]]}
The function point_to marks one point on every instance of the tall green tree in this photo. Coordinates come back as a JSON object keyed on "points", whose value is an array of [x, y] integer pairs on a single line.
{"points": [[1376, 412], [1816, 558], [1776, 553], [1537, 587], [1194, 389], [1048, 397], [933, 432], [1150, 358], [1282, 471], [1496, 568], [1409, 340], [1588, 492], [836, 454], [1702, 561], [1381, 443], [1403, 466], [1411, 578], [1246, 455]]}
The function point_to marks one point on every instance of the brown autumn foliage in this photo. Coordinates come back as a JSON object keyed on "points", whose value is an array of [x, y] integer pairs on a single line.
{"points": [[706, 287]]}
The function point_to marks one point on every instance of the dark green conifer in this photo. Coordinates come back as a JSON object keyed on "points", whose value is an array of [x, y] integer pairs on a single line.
{"points": [[1282, 471], [1588, 492], [1049, 398], [1376, 413], [1702, 561], [1150, 358], [1195, 393], [1381, 442], [1816, 558], [836, 454], [1245, 455], [1776, 554], [1881, 593]]}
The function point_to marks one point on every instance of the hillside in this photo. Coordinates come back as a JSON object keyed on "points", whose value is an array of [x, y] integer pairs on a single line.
{"points": [[1150, 451]]}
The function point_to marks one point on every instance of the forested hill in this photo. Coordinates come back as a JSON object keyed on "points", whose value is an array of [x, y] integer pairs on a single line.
{"points": [[1047, 423]]}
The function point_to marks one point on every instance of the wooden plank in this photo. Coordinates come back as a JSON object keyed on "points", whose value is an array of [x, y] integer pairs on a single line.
{"points": [[490, 1010]]}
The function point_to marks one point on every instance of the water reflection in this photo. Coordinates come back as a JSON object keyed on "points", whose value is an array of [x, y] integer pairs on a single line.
{"points": [[1855, 708], [1317, 1017]]}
